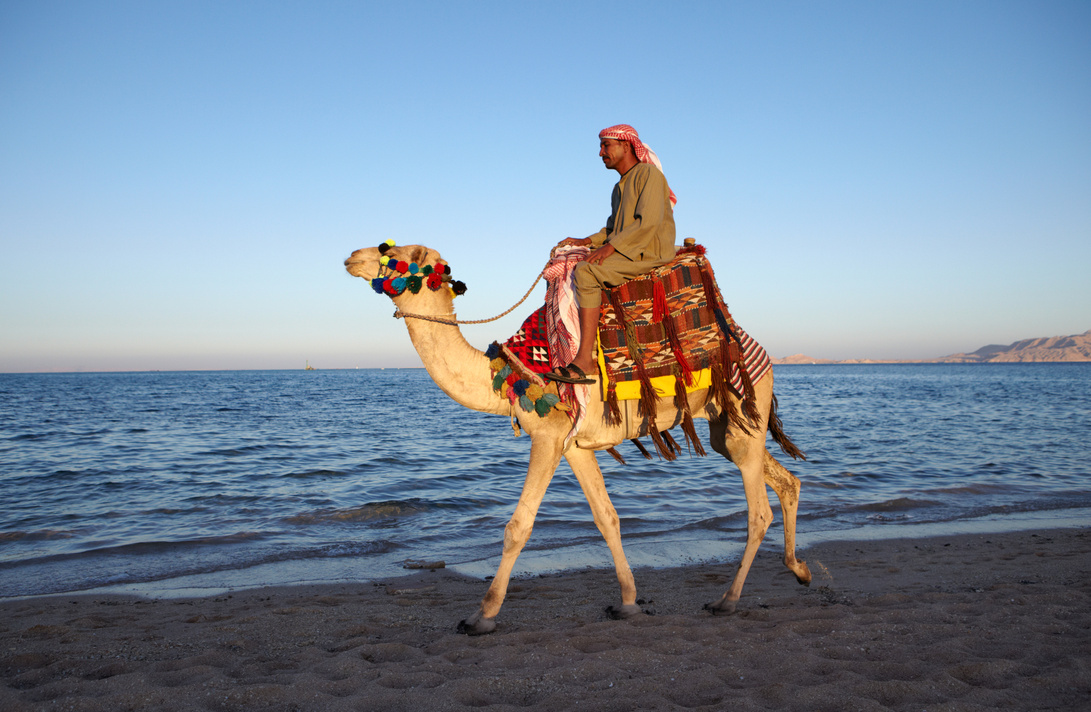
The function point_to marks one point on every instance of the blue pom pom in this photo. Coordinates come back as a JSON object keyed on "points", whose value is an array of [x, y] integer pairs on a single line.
{"points": [[398, 284], [493, 351], [413, 268], [377, 285], [520, 387]]}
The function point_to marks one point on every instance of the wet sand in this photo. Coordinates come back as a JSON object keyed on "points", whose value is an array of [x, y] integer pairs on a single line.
{"points": [[968, 622]]}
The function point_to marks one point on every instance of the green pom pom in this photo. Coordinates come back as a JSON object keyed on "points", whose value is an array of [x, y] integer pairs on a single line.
{"points": [[525, 404], [545, 404]]}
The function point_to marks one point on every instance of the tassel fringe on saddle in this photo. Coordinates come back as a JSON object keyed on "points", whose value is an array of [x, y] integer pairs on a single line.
{"points": [[729, 358]]}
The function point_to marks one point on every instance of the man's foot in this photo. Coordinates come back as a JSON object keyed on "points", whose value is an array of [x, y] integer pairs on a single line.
{"points": [[569, 374]]}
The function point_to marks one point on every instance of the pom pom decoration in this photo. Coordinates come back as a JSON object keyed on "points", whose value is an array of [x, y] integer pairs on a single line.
{"points": [[413, 276], [531, 397], [500, 377], [543, 405]]}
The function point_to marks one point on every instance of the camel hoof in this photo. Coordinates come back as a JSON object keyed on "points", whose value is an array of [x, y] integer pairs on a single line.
{"points": [[477, 625], [803, 575], [721, 608], [624, 612]]}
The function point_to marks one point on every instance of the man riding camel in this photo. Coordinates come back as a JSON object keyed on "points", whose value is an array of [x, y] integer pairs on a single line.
{"points": [[638, 237]]}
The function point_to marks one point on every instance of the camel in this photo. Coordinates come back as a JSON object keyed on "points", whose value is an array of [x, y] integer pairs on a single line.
{"points": [[462, 372]]}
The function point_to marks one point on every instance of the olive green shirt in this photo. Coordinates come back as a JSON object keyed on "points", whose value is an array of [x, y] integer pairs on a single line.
{"points": [[641, 226]]}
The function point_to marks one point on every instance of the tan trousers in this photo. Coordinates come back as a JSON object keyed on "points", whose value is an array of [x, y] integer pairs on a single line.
{"points": [[615, 270]]}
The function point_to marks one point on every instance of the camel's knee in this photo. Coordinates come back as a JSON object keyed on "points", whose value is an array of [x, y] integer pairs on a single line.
{"points": [[607, 520], [759, 519], [517, 533]]}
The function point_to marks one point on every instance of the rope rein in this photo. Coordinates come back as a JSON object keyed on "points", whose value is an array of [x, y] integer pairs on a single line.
{"points": [[399, 314]]}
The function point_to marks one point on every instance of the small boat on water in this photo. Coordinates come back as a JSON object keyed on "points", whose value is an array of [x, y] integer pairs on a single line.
{"points": [[309, 367]]}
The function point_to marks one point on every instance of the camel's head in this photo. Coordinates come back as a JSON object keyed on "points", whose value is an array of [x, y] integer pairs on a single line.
{"points": [[393, 270]]}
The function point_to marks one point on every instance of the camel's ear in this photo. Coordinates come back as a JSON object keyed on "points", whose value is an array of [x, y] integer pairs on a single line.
{"points": [[418, 254]]}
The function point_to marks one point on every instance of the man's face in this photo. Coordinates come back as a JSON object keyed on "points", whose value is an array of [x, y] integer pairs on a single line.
{"points": [[613, 151]]}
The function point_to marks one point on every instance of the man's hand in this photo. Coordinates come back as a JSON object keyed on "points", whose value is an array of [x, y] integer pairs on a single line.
{"points": [[574, 241], [598, 256]]}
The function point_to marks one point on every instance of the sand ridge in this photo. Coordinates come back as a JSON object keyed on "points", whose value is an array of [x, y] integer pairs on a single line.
{"points": [[969, 622]]}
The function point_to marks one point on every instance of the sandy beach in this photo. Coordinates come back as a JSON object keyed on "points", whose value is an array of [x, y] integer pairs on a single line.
{"points": [[968, 622]]}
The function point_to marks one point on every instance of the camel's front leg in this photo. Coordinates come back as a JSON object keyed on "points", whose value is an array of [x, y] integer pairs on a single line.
{"points": [[545, 455], [586, 467]]}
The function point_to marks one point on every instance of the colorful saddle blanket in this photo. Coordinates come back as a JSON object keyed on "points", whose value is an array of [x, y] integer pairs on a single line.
{"points": [[671, 301]]}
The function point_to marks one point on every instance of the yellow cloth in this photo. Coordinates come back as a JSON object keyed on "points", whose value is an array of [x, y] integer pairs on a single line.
{"points": [[663, 385]]}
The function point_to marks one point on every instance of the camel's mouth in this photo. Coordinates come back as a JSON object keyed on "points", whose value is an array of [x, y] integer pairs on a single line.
{"points": [[363, 263]]}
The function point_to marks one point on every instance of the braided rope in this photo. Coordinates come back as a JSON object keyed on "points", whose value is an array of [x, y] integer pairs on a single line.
{"points": [[399, 314]]}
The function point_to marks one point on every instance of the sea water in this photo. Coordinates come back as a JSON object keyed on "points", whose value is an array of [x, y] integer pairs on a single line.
{"points": [[198, 482]]}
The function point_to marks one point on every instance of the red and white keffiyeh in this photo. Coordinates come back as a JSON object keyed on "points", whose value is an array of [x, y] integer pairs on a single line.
{"points": [[644, 154]]}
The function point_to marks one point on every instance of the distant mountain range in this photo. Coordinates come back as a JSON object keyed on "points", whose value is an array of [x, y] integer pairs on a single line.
{"points": [[1054, 348]]}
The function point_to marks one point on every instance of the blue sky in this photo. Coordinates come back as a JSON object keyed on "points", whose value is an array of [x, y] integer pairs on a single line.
{"points": [[181, 181]]}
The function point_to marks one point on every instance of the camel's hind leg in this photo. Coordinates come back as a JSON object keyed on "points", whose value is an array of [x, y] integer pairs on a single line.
{"points": [[760, 468], [586, 468], [786, 485], [748, 453], [545, 455]]}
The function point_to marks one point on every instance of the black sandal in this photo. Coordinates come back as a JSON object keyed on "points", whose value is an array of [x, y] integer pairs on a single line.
{"points": [[563, 374]]}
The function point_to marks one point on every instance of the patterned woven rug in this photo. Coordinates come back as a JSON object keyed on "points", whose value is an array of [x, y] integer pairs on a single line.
{"points": [[691, 318], [661, 336], [678, 325]]}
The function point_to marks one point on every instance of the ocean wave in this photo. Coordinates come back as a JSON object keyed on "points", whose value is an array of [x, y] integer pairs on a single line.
{"points": [[308, 474], [893, 505], [362, 513], [39, 535], [984, 488]]}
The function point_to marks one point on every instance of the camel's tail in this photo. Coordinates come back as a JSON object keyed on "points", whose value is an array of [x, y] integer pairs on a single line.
{"points": [[776, 429]]}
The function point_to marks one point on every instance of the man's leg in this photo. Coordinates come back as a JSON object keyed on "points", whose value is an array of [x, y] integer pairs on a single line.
{"points": [[589, 327], [589, 282]]}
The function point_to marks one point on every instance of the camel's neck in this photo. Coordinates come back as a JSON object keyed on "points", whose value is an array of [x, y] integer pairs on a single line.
{"points": [[460, 370]]}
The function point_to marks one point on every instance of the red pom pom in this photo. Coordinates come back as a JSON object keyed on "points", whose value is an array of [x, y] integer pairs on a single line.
{"points": [[402, 267]]}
